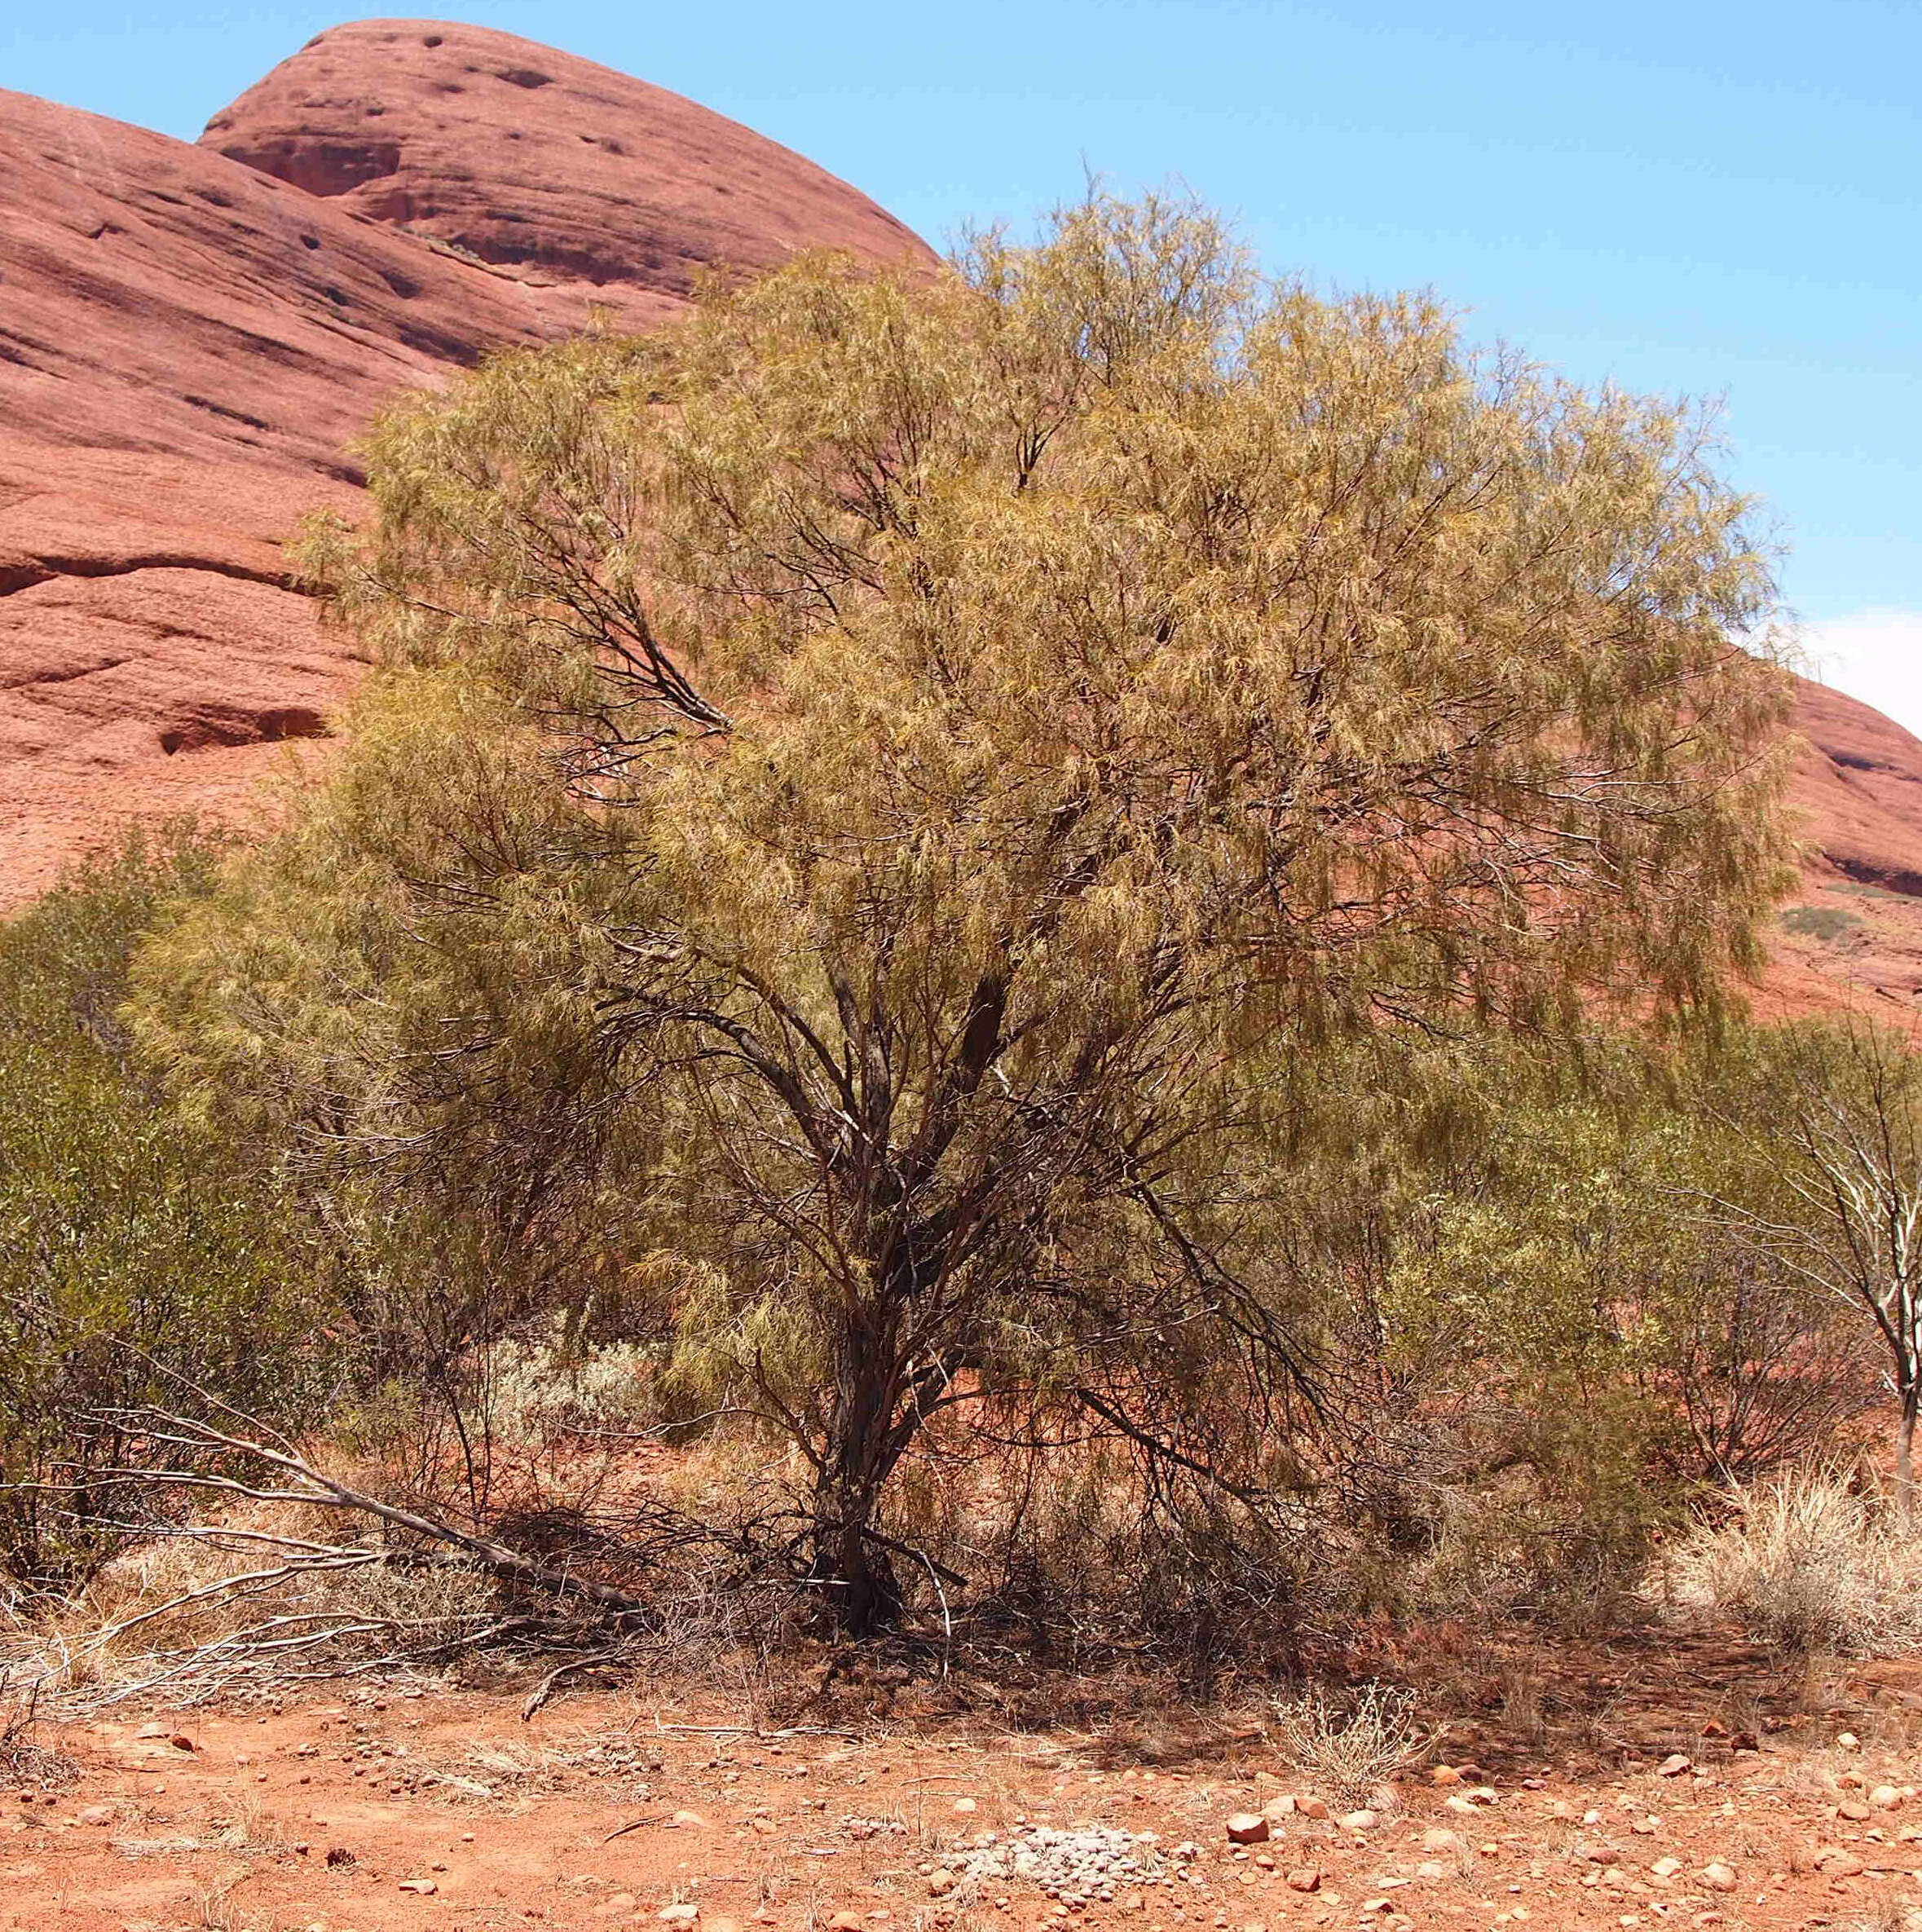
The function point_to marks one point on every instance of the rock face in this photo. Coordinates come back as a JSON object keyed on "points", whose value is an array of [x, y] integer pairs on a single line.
{"points": [[1852, 933], [585, 184], [192, 336], [189, 343]]}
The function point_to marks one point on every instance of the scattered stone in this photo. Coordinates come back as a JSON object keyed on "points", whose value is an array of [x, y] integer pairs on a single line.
{"points": [[425, 1887], [1886, 1798], [1836, 1861], [1458, 1803], [1305, 1878], [1358, 1821], [1718, 1877], [846, 1922], [1311, 1807], [1444, 1774], [1675, 1766], [181, 1742], [679, 1915], [1248, 1828], [1437, 1839], [1848, 1741], [1087, 1863], [1430, 1868], [1278, 1808], [964, 1807], [688, 1821], [1666, 1867]]}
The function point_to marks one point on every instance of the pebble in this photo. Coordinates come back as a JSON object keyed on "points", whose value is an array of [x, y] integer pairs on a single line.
{"points": [[1248, 1828], [679, 1915], [1675, 1765], [425, 1887], [1718, 1877], [1358, 1821], [1305, 1878]]}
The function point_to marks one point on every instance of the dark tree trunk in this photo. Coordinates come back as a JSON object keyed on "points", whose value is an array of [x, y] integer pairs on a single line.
{"points": [[1905, 1451], [861, 1593]]}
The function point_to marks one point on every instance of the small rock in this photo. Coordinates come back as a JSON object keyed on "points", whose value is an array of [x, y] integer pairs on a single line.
{"points": [[688, 1821], [1848, 1741], [1836, 1861], [1444, 1774], [964, 1807], [424, 1886], [1358, 1821], [1666, 1867], [1458, 1803], [679, 1915], [1885, 1797], [1311, 1807], [1436, 1838], [1278, 1808], [1247, 1827], [1675, 1766], [1304, 1878], [1718, 1877], [846, 1922], [1429, 1868]]}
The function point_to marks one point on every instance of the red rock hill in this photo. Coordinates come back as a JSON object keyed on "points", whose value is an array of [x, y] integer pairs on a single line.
{"points": [[190, 336]]}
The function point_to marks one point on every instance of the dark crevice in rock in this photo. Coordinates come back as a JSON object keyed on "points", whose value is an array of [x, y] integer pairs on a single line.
{"points": [[43, 570], [212, 725]]}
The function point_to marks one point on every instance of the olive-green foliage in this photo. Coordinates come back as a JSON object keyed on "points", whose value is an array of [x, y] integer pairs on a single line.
{"points": [[1825, 1186], [873, 779], [137, 1261], [1559, 1346]]}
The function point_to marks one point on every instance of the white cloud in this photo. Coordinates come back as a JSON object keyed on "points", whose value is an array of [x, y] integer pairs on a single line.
{"points": [[1875, 655]]}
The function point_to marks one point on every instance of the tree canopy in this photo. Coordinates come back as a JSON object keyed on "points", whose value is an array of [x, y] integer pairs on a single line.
{"points": [[874, 784]]}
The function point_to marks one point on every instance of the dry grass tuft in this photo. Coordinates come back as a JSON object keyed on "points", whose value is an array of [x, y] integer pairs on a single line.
{"points": [[1806, 1565], [1349, 1752]]}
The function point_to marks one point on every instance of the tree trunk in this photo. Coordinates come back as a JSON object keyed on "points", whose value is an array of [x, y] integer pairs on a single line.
{"points": [[861, 1595], [1905, 1451]]}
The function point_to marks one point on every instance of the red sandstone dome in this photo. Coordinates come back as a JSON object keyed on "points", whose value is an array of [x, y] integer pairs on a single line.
{"points": [[587, 185], [190, 336]]}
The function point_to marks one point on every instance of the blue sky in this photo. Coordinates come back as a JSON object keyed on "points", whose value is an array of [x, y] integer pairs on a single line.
{"points": [[1697, 197]]}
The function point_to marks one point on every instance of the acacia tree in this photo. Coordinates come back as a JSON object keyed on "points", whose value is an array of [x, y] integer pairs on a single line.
{"points": [[875, 774], [1830, 1117]]}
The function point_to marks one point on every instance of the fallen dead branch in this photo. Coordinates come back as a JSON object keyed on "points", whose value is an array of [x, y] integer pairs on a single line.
{"points": [[399, 1594]]}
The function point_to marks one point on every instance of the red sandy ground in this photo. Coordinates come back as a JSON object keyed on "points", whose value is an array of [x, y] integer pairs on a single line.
{"points": [[512, 1824]]}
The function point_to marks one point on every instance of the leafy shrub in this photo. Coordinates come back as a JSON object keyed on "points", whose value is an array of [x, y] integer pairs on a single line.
{"points": [[1819, 922], [139, 1261]]}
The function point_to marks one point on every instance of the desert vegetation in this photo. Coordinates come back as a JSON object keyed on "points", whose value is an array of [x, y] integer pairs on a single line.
{"points": [[1044, 965]]}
